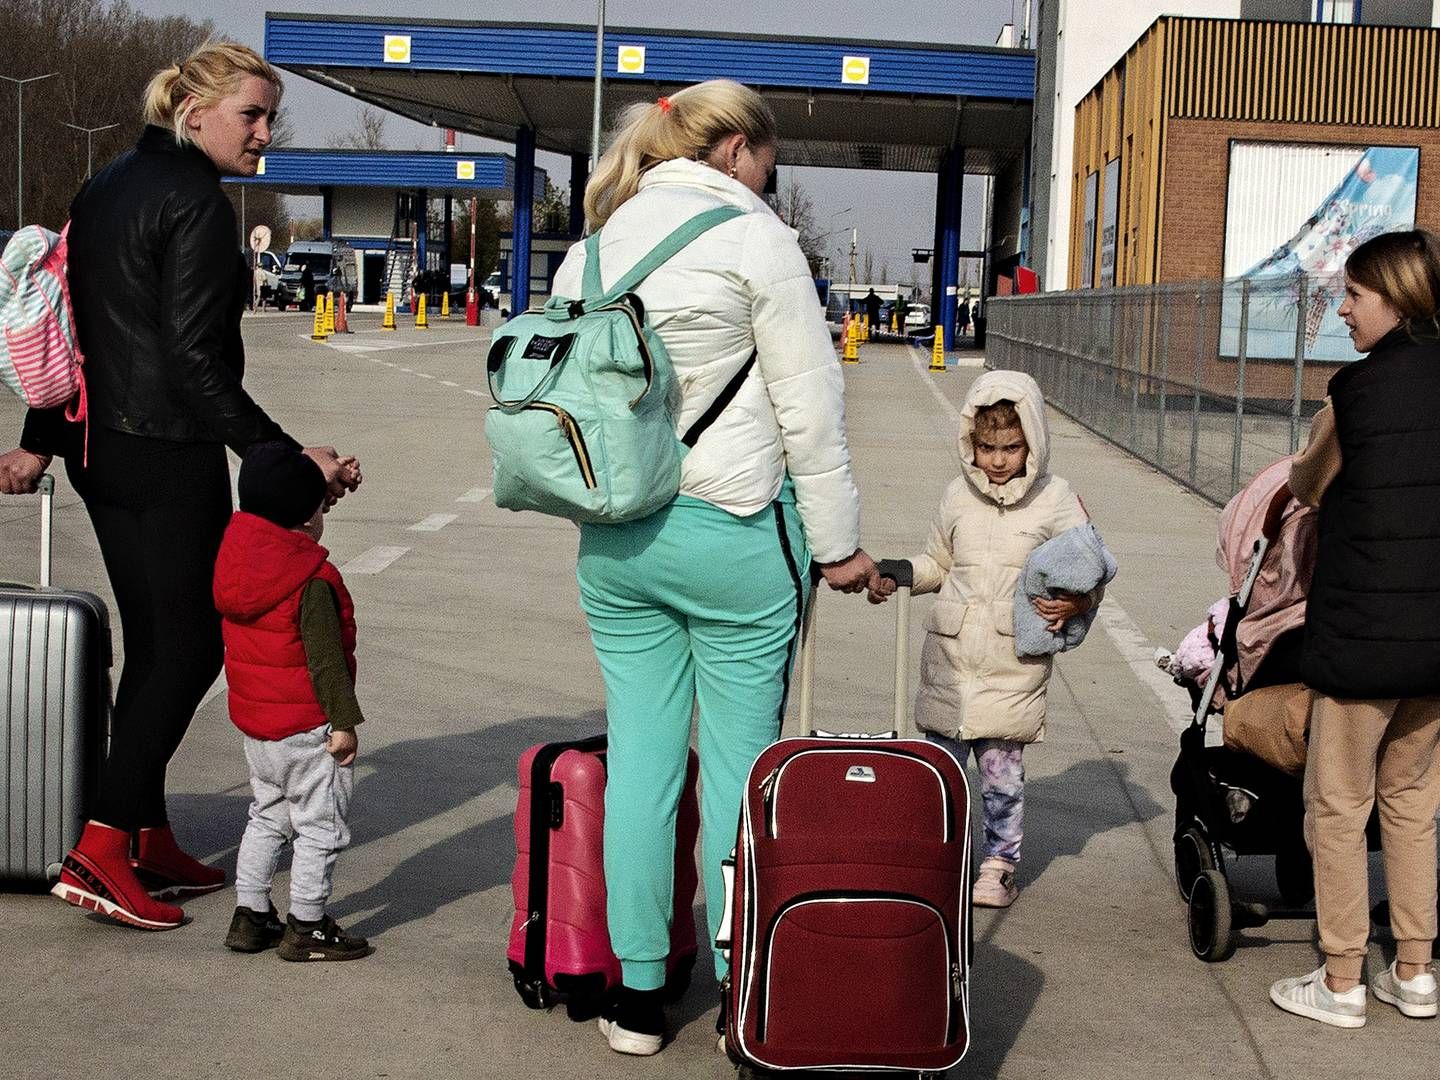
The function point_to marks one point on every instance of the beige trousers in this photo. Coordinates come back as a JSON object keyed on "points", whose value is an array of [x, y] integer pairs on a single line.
{"points": [[1364, 753]]}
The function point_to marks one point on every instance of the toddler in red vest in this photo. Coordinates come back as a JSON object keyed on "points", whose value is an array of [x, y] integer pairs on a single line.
{"points": [[289, 627]]}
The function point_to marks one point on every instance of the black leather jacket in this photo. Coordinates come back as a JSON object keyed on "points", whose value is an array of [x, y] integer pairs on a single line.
{"points": [[158, 285]]}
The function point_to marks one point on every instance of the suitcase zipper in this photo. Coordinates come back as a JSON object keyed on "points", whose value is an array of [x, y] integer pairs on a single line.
{"points": [[952, 967], [770, 786]]}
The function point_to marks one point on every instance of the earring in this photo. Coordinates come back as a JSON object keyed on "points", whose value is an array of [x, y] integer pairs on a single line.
{"points": [[732, 170]]}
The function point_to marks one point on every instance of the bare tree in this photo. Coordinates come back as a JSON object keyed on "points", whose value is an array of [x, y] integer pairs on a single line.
{"points": [[869, 262], [369, 133], [552, 210], [795, 207]]}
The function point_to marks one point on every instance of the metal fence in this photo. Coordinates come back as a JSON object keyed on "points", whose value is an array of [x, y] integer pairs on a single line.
{"points": [[1207, 381]]}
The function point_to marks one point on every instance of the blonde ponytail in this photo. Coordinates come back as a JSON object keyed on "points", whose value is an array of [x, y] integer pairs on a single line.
{"points": [[211, 72], [690, 123]]}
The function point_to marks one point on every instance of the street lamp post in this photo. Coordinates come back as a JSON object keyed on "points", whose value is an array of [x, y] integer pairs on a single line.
{"points": [[20, 141], [599, 81], [89, 147]]}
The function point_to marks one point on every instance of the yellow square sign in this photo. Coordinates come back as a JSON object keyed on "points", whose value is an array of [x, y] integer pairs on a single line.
{"points": [[855, 69], [397, 48], [630, 59], [260, 166], [464, 170]]}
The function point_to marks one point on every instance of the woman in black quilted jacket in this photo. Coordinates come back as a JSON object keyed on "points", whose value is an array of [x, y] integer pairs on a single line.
{"points": [[158, 285]]}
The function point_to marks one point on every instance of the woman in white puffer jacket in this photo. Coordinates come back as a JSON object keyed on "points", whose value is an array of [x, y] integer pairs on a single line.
{"points": [[701, 602]]}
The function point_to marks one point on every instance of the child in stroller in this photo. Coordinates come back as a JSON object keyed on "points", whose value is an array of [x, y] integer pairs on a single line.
{"points": [[1229, 796]]}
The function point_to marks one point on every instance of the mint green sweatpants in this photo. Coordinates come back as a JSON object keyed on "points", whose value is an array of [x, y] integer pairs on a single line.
{"points": [[691, 605]]}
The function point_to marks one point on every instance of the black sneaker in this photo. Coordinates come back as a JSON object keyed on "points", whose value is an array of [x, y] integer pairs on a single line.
{"points": [[634, 1023], [254, 931], [322, 940]]}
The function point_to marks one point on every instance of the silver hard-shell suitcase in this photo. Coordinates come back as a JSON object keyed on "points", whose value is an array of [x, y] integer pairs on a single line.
{"points": [[55, 699]]}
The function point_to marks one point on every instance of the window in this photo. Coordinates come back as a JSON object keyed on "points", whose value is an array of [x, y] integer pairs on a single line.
{"points": [[1337, 11]]}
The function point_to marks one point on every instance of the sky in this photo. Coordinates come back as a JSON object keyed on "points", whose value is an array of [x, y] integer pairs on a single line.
{"points": [[891, 212]]}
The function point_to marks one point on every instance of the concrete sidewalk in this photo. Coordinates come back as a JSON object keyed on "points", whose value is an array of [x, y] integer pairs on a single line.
{"points": [[472, 647]]}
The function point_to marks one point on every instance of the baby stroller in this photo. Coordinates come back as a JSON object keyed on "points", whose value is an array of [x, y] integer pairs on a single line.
{"points": [[1227, 799]]}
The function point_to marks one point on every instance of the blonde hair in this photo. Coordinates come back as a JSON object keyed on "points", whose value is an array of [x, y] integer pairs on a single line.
{"points": [[210, 73], [1404, 268], [690, 123]]}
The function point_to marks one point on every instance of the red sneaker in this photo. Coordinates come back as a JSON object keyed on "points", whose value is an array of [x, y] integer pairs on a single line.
{"points": [[167, 872], [96, 875]]}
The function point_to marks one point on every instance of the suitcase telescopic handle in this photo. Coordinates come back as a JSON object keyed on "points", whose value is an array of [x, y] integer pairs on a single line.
{"points": [[903, 574], [47, 526]]}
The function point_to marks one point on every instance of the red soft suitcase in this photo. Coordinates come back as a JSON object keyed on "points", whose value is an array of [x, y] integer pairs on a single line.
{"points": [[849, 925], [559, 941]]}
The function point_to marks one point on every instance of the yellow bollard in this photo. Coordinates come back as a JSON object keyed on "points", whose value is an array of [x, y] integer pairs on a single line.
{"points": [[389, 322], [329, 314], [421, 323], [894, 323], [864, 329], [445, 304], [852, 339], [937, 356], [318, 333]]}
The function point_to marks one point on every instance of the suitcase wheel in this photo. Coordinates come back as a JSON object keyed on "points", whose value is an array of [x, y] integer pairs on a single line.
{"points": [[535, 995]]}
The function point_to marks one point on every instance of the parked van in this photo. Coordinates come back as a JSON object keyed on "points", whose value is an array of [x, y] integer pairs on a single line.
{"points": [[332, 266]]}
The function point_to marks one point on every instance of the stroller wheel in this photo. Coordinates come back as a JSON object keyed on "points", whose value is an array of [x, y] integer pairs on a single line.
{"points": [[1193, 856], [1212, 935], [1295, 877]]}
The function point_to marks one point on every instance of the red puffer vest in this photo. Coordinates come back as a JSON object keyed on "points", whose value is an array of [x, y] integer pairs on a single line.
{"points": [[260, 577]]}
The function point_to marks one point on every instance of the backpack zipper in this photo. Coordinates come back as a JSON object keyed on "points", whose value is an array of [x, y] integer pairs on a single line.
{"points": [[567, 424]]}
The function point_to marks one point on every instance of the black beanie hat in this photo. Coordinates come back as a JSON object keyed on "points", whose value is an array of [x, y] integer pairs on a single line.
{"points": [[280, 484]]}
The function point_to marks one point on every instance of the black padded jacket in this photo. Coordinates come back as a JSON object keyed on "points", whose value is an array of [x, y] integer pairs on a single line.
{"points": [[158, 285], [1372, 621]]}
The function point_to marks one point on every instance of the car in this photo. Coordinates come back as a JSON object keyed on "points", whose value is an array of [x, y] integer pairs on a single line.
{"points": [[332, 264], [917, 317]]}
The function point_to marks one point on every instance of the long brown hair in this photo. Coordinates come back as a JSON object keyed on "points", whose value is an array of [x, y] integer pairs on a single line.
{"points": [[688, 124]]}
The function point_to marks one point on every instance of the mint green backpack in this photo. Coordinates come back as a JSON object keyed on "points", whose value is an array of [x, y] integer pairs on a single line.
{"points": [[583, 425]]}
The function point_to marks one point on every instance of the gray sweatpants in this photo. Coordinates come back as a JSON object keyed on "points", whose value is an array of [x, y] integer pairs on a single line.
{"points": [[301, 794]]}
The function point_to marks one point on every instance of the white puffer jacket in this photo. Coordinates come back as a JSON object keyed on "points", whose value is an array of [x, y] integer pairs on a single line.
{"points": [[972, 685], [742, 286]]}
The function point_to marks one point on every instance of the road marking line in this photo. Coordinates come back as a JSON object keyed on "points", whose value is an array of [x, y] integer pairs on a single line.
{"points": [[447, 382], [408, 371], [420, 344], [423, 374], [1126, 635], [475, 495], [433, 523], [476, 393], [374, 560]]}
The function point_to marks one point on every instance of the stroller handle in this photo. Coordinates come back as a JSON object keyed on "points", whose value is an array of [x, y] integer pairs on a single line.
{"points": [[1275, 512]]}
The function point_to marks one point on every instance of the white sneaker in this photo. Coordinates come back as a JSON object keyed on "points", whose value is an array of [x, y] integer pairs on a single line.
{"points": [[1415, 997], [995, 887], [1308, 996]]}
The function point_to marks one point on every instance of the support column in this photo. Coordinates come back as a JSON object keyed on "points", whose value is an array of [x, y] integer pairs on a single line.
{"points": [[941, 186], [579, 177], [524, 215], [949, 251], [422, 231], [327, 198], [449, 228]]}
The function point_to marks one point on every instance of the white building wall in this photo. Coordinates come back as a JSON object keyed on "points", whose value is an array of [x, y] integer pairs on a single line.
{"points": [[1090, 39]]}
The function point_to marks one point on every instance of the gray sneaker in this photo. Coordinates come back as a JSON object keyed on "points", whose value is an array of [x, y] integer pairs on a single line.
{"points": [[1415, 997], [1308, 996]]}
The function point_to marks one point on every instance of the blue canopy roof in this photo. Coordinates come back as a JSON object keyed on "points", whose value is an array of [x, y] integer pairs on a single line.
{"points": [[306, 172]]}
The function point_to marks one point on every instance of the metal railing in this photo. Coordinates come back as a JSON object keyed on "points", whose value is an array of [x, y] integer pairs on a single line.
{"points": [[1208, 381]]}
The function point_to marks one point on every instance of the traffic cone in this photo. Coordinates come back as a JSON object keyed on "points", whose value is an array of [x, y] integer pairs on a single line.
{"points": [[389, 321], [864, 329], [342, 324], [445, 304], [894, 323], [318, 333], [329, 314], [421, 323], [937, 355], [852, 340]]}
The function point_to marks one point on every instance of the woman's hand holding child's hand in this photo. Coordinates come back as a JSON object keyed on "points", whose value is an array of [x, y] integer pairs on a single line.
{"points": [[343, 746], [1055, 610], [879, 592]]}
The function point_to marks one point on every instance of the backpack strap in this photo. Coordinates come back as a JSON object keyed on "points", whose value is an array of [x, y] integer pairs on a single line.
{"points": [[659, 254], [710, 415]]}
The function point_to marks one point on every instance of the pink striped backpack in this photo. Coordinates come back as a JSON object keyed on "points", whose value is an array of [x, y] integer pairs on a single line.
{"points": [[40, 358]]}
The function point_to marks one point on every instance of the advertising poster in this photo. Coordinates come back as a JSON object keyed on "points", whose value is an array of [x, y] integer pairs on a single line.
{"points": [[1303, 278], [1087, 253], [1109, 223]]}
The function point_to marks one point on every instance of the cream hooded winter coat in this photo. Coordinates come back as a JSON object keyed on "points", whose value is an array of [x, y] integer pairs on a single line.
{"points": [[972, 685], [742, 286]]}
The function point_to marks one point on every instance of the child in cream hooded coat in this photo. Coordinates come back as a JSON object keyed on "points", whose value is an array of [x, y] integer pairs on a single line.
{"points": [[976, 696]]}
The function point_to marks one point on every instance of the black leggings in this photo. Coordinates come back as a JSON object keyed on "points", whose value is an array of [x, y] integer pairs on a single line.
{"points": [[159, 509]]}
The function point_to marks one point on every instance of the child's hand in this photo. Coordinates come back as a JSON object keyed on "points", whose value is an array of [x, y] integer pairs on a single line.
{"points": [[1055, 610], [881, 590], [343, 746]]}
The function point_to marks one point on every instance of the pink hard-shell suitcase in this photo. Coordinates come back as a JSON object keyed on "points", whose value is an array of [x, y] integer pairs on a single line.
{"points": [[559, 941], [848, 923]]}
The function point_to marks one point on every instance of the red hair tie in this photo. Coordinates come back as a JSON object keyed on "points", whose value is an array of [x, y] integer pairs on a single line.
{"points": [[664, 104]]}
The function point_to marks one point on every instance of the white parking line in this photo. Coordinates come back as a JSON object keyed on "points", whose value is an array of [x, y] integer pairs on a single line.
{"points": [[424, 375], [475, 495], [477, 393], [1122, 630], [433, 523], [374, 560], [447, 382]]}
